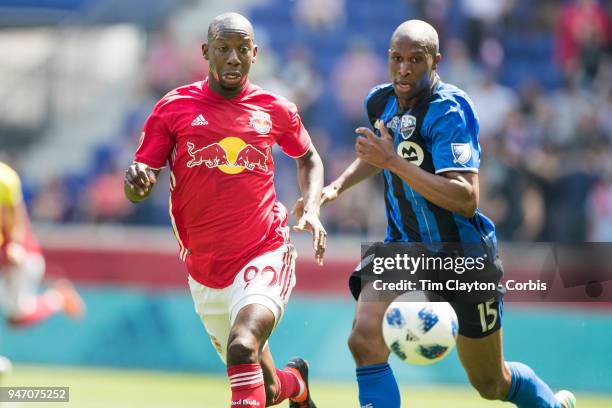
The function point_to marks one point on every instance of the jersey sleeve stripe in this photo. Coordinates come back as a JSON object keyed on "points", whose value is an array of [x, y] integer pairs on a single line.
{"points": [[183, 250], [409, 220], [464, 169], [284, 271], [290, 271]]}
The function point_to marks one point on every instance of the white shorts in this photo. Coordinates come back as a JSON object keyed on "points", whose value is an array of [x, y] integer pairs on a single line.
{"points": [[19, 285], [267, 280]]}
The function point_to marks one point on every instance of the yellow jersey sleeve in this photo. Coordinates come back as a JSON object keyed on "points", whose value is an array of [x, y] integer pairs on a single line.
{"points": [[10, 187]]}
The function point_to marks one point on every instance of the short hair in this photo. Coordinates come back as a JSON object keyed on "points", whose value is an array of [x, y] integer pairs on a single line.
{"points": [[229, 20], [419, 30]]}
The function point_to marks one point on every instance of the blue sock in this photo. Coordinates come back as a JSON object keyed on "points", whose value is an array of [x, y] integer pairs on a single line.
{"points": [[528, 390], [377, 387]]}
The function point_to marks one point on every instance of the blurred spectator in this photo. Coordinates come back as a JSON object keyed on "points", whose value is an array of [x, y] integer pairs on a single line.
{"points": [[588, 135], [320, 15], [568, 221], [569, 104], [481, 20], [604, 113], [434, 12], [511, 199], [493, 103], [600, 211], [456, 66], [354, 74], [530, 96], [306, 83], [583, 34], [194, 66], [52, 202], [363, 210], [105, 199], [515, 136], [170, 64], [265, 71], [491, 54], [544, 142], [163, 62]]}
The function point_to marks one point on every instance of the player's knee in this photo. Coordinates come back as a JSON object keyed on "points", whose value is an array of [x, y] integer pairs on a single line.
{"points": [[356, 344], [490, 388], [363, 345], [243, 349]]}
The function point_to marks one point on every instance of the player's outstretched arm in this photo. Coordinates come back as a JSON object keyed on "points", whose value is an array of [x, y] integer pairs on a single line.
{"points": [[354, 174], [454, 191], [139, 181], [310, 179]]}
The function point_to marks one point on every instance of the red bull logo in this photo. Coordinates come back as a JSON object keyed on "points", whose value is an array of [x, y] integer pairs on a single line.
{"points": [[261, 122], [211, 156], [250, 158], [230, 155]]}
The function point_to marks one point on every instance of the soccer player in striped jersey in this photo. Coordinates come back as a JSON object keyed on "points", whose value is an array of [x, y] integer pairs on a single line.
{"points": [[424, 138]]}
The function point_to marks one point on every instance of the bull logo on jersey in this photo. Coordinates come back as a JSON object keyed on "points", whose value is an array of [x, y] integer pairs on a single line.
{"points": [[407, 126], [230, 155], [462, 152], [211, 156], [261, 122], [411, 152]]}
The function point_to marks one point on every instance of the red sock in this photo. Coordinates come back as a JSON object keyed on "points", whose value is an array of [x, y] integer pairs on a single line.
{"points": [[247, 383], [45, 308], [290, 386]]}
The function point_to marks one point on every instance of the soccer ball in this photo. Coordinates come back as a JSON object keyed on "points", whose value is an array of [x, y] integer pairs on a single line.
{"points": [[420, 332], [5, 365]]}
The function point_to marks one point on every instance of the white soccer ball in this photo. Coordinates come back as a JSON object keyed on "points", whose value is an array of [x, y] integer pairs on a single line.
{"points": [[420, 332], [5, 365]]}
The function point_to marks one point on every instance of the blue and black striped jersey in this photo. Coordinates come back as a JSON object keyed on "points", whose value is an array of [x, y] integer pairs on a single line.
{"points": [[439, 134]]}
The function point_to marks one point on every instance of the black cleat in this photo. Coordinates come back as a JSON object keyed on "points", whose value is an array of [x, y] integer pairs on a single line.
{"points": [[300, 366]]}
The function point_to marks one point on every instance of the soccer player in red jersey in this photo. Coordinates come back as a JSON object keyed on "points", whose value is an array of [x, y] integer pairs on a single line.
{"points": [[216, 137]]}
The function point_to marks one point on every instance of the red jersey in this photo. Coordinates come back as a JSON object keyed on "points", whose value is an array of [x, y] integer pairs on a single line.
{"points": [[222, 204]]}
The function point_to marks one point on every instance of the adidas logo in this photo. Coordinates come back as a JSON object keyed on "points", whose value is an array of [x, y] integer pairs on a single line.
{"points": [[199, 121], [410, 336]]}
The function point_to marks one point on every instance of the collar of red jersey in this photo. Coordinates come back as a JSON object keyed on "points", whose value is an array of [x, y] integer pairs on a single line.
{"points": [[206, 89]]}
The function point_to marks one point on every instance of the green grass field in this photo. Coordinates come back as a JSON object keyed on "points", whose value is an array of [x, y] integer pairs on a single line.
{"points": [[91, 388]]}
